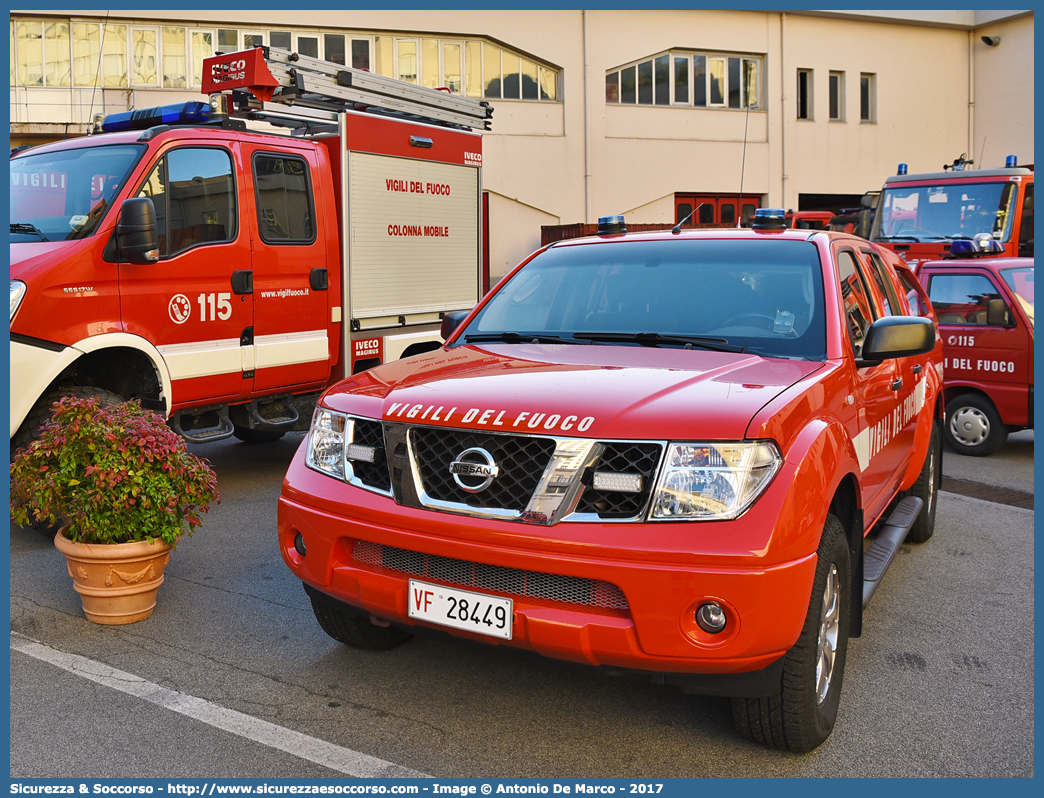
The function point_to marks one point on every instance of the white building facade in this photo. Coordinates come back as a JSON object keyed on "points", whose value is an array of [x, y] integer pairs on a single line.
{"points": [[601, 112]]}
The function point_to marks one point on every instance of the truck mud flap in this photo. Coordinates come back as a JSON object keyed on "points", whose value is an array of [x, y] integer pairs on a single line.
{"points": [[886, 545]]}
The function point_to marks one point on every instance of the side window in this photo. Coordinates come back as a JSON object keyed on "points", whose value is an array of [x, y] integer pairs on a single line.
{"points": [[884, 284], [194, 193], [961, 298], [856, 297], [913, 296], [284, 199]]}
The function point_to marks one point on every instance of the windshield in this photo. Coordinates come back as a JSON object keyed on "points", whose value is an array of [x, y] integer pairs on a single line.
{"points": [[947, 211], [763, 296], [63, 195], [1020, 281]]}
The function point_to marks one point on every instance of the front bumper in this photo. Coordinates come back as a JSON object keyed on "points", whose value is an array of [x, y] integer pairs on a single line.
{"points": [[665, 571]]}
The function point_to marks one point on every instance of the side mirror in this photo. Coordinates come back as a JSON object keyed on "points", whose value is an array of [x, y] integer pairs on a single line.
{"points": [[136, 236], [451, 321], [897, 336], [997, 313]]}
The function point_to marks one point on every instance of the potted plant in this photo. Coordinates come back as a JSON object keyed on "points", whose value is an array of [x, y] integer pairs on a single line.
{"points": [[124, 488]]}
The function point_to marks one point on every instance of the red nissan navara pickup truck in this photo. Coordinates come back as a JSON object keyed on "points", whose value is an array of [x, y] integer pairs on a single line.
{"points": [[685, 455]]}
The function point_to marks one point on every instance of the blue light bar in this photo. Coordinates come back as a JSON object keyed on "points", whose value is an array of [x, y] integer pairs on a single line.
{"points": [[192, 112], [982, 245]]}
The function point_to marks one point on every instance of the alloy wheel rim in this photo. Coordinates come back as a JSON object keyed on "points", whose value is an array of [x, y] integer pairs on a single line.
{"points": [[931, 481], [970, 426], [829, 627]]}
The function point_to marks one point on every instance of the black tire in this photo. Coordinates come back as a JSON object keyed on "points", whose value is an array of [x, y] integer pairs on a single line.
{"points": [[40, 414], [248, 435], [973, 426], [795, 718], [926, 488], [356, 630]]}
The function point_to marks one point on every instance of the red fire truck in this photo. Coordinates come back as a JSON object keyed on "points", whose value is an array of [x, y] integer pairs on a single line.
{"points": [[224, 262], [919, 216]]}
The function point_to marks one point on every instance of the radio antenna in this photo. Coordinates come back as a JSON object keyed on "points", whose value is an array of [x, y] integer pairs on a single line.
{"points": [[743, 165], [97, 72], [677, 228]]}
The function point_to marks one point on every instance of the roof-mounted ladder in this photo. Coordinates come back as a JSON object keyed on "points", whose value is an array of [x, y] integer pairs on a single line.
{"points": [[293, 79]]}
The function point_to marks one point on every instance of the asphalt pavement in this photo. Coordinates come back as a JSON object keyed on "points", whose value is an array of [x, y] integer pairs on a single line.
{"points": [[232, 677]]}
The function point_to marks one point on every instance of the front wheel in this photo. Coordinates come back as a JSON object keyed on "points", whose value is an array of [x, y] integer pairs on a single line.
{"points": [[354, 630], [973, 426], [800, 715], [926, 488]]}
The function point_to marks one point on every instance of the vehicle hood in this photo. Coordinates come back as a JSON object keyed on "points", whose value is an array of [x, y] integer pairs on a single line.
{"points": [[587, 391], [27, 255]]}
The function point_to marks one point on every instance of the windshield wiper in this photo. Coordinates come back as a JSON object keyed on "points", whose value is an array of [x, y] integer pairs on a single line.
{"points": [[520, 338], [915, 239], [24, 227], [656, 339]]}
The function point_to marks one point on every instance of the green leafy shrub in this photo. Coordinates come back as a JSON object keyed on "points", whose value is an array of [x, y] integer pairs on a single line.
{"points": [[111, 475]]}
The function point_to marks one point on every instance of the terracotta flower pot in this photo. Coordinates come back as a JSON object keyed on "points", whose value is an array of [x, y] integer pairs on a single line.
{"points": [[117, 582]]}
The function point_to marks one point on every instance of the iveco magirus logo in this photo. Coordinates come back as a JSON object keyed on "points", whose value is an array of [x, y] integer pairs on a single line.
{"points": [[474, 469]]}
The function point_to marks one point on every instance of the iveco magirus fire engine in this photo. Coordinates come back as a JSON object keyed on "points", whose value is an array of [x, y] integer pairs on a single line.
{"points": [[224, 262]]}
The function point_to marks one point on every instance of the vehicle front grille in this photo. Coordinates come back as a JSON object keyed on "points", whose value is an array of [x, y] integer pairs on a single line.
{"points": [[622, 457], [508, 581], [375, 474], [521, 461]]}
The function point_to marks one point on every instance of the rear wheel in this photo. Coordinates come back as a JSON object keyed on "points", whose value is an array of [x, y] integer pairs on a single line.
{"points": [[800, 715], [926, 488], [355, 630], [973, 426], [248, 435]]}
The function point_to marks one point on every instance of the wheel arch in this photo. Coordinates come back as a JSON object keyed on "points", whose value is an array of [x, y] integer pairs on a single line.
{"points": [[125, 364]]}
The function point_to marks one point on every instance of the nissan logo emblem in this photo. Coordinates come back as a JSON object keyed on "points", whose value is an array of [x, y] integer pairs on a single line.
{"points": [[474, 470]]}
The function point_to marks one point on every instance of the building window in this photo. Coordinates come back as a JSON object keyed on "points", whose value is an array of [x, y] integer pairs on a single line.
{"points": [[175, 58], [867, 97], [84, 53], [804, 94], [693, 80], [144, 57], [837, 96]]}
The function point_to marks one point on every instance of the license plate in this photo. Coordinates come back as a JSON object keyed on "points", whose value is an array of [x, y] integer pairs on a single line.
{"points": [[461, 609]]}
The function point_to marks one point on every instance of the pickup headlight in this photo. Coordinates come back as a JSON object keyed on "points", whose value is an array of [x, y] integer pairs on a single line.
{"points": [[326, 442], [713, 481], [17, 294]]}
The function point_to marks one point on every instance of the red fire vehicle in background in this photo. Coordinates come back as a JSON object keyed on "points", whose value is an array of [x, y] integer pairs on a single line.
{"points": [[920, 216], [985, 313], [225, 275]]}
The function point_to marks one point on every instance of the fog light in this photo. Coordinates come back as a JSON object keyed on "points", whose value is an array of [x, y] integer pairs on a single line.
{"points": [[299, 545], [711, 618]]}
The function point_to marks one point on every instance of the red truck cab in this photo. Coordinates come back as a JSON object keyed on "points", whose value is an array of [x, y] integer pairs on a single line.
{"points": [[919, 216], [689, 455], [985, 314]]}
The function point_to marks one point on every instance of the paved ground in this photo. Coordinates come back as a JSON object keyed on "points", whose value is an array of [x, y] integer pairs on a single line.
{"points": [[941, 683]]}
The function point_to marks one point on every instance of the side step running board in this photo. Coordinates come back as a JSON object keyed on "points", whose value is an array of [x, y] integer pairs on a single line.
{"points": [[282, 422], [223, 429], [886, 545]]}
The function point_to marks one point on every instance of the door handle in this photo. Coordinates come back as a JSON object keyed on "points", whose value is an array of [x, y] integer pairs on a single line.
{"points": [[897, 384], [917, 369]]}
